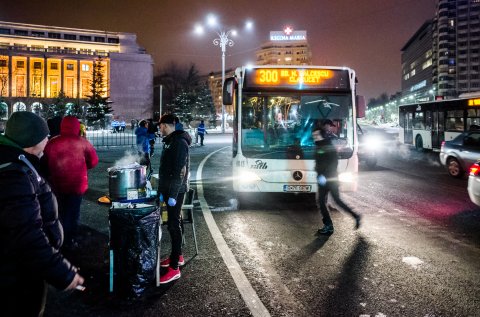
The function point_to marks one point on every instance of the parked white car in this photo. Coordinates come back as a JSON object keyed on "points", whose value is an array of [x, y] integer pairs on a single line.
{"points": [[474, 183]]}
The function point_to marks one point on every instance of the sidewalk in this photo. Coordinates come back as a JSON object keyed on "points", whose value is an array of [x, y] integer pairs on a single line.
{"points": [[92, 258]]}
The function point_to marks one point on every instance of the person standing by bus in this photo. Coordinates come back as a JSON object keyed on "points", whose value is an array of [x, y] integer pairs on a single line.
{"points": [[326, 162], [173, 175], [201, 131]]}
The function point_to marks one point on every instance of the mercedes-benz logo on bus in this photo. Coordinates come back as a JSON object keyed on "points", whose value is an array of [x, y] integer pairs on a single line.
{"points": [[297, 175]]}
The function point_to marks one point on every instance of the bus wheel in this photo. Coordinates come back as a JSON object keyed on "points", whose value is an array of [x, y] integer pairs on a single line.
{"points": [[454, 168], [419, 143]]}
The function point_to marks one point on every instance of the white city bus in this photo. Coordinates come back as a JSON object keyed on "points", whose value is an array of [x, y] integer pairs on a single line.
{"points": [[275, 109], [426, 125]]}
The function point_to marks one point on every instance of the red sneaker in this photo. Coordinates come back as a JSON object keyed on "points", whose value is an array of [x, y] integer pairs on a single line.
{"points": [[166, 262], [170, 275]]}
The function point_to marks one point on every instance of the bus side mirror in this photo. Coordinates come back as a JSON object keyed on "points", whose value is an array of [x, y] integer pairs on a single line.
{"points": [[228, 89], [360, 106]]}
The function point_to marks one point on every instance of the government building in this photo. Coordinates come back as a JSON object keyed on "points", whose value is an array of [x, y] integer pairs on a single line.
{"points": [[39, 63]]}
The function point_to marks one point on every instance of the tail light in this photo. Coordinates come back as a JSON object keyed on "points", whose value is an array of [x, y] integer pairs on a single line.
{"points": [[474, 169], [442, 146]]}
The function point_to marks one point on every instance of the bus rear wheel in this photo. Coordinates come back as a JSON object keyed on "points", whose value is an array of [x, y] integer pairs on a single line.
{"points": [[454, 168], [419, 143]]}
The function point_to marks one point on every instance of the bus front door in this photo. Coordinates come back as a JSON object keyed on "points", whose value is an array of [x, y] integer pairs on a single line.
{"points": [[437, 129], [408, 131]]}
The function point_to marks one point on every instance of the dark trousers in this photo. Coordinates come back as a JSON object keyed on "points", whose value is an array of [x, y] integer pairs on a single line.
{"points": [[27, 298], [175, 229], [322, 194], [69, 215], [201, 138]]}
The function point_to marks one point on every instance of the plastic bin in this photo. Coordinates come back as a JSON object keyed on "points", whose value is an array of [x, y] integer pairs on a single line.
{"points": [[135, 234]]}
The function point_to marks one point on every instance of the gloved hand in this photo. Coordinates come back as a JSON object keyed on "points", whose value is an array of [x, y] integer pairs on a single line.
{"points": [[171, 202], [321, 180]]}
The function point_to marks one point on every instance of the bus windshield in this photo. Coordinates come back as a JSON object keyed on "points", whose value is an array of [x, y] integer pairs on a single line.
{"points": [[279, 126]]}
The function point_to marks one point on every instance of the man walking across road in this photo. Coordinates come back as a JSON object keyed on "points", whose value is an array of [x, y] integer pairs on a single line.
{"points": [[201, 131], [326, 162], [174, 176]]}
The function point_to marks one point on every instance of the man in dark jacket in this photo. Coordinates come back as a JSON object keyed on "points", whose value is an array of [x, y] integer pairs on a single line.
{"points": [[30, 233], [173, 175], [326, 162]]}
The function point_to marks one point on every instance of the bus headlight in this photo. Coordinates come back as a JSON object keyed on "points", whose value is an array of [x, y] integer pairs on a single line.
{"points": [[346, 177], [248, 177]]}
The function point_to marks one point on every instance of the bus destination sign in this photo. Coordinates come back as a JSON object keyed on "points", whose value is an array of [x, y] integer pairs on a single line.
{"points": [[296, 78]]}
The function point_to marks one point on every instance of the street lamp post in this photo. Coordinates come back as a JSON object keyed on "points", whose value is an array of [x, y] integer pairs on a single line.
{"points": [[222, 41]]}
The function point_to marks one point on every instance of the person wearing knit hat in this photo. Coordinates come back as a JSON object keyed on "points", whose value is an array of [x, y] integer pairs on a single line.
{"points": [[31, 232], [26, 129]]}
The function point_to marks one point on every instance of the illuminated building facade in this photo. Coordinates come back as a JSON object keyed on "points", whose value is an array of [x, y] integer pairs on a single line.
{"points": [[456, 45], [442, 59], [417, 64], [287, 47], [38, 62]]}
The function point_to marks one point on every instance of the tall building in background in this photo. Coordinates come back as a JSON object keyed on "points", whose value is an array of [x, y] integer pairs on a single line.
{"points": [[417, 59], [454, 35], [38, 62], [287, 47]]}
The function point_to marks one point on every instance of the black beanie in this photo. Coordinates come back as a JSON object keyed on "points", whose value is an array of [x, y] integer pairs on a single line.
{"points": [[26, 129]]}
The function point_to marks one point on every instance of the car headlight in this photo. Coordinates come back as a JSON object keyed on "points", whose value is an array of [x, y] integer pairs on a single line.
{"points": [[372, 143], [248, 177]]}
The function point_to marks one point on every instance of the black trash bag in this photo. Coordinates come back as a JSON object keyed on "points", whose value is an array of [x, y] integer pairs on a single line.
{"points": [[134, 235]]}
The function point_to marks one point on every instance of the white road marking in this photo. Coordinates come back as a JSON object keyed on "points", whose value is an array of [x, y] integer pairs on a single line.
{"points": [[413, 261], [249, 295]]}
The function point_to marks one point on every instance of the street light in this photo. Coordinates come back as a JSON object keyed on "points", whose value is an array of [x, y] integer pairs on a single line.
{"points": [[222, 41]]}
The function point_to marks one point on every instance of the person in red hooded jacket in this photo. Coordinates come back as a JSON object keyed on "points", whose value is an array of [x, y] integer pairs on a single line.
{"points": [[67, 157]]}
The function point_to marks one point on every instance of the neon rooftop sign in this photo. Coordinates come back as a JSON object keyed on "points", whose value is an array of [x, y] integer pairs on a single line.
{"points": [[288, 34]]}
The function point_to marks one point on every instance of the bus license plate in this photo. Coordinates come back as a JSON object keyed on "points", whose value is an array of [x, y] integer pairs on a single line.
{"points": [[297, 188]]}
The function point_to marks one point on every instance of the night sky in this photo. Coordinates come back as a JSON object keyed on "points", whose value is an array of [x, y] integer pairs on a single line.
{"points": [[365, 35]]}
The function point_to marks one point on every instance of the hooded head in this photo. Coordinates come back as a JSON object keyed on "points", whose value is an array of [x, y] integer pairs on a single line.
{"points": [[26, 129], [70, 126]]}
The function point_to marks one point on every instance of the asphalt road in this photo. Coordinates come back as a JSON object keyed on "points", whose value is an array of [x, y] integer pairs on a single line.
{"points": [[416, 254]]}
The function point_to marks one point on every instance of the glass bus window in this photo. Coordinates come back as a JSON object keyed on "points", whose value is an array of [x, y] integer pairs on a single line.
{"points": [[428, 120], [418, 121], [275, 125], [473, 123]]}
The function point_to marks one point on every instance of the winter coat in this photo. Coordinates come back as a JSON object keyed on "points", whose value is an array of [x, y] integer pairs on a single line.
{"points": [[67, 157], [30, 233], [326, 158], [143, 138], [201, 129], [174, 164]]}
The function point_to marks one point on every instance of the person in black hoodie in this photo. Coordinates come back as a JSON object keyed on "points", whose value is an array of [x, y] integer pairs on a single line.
{"points": [[326, 162], [30, 233], [174, 176]]}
